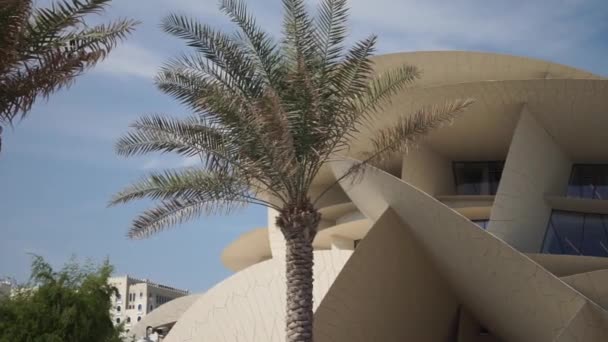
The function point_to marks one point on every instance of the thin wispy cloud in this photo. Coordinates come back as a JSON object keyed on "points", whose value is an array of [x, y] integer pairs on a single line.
{"points": [[131, 60], [547, 26]]}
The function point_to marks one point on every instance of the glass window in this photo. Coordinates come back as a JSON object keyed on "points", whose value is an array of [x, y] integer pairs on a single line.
{"points": [[128, 319], [141, 295], [117, 320], [589, 181], [577, 234], [595, 235], [482, 223], [139, 318], [118, 308], [477, 178], [139, 307]]}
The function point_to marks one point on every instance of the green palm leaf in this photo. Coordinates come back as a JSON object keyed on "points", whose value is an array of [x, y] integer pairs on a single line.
{"points": [[44, 49]]}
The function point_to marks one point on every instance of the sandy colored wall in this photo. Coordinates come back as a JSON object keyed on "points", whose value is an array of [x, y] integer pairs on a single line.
{"points": [[428, 171], [591, 284], [469, 329], [387, 291], [535, 166], [250, 305], [566, 265], [515, 298]]}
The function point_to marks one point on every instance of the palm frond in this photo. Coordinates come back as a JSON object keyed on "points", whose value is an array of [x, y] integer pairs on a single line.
{"points": [[47, 48], [331, 31], [217, 48], [174, 212], [48, 24], [410, 128], [261, 131], [185, 195], [398, 137], [352, 77], [260, 47], [362, 110], [158, 133], [299, 45], [184, 184], [382, 89]]}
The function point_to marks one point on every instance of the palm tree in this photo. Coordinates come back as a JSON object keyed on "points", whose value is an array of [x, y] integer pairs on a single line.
{"points": [[44, 49], [267, 116]]}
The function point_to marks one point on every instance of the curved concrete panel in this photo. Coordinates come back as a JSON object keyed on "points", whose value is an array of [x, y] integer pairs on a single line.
{"points": [[250, 305], [525, 302], [593, 284], [535, 165], [447, 67], [335, 211], [388, 291], [493, 117], [566, 265], [166, 314], [250, 248], [354, 230]]}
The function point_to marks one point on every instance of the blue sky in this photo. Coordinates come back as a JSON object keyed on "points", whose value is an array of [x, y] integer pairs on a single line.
{"points": [[58, 168]]}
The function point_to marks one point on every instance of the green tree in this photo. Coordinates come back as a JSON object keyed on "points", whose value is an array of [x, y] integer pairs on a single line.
{"points": [[70, 305], [43, 49], [268, 115]]}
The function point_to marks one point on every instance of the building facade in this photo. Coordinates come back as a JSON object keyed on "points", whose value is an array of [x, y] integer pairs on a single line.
{"points": [[5, 288], [136, 298], [492, 229]]}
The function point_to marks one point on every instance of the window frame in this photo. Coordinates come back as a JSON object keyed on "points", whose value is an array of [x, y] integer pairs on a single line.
{"points": [[488, 164]]}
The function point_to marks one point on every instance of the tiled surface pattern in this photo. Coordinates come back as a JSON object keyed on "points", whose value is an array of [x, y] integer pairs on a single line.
{"points": [[249, 306]]}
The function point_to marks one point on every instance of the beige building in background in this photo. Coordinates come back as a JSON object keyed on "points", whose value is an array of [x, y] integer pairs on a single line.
{"points": [[136, 298], [5, 288], [492, 229]]}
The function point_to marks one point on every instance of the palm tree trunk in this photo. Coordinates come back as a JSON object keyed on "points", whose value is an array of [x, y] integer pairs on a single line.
{"points": [[299, 225], [299, 263]]}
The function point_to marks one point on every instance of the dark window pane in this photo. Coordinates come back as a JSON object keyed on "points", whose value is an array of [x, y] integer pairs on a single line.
{"points": [[589, 181], [569, 230], [577, 234], [477, 178], [481, 223], [552, 244], [594, 240]]}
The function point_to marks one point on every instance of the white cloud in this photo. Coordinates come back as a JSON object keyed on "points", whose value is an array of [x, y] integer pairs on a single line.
{"points": [[546, 26], [131, 60], [152, 164]]}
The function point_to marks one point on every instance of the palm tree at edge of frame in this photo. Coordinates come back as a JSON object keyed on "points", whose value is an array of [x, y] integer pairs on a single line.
{"points": [[44, 49], [267, 116]]}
